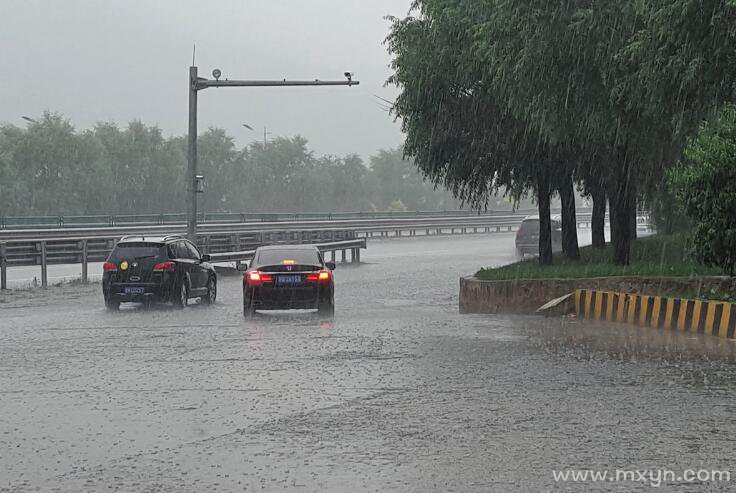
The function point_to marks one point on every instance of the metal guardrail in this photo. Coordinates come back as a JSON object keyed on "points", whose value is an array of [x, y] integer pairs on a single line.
{"points": [[357, 225], [84, 250], [113, 220], [354, 246], [92, 245]]}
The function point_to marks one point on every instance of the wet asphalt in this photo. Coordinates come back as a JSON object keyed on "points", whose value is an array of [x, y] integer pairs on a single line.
{"points": [[398, 393]]}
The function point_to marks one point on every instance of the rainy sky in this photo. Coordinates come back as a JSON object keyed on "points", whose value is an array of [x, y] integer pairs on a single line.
{"points": [[116, 61]]}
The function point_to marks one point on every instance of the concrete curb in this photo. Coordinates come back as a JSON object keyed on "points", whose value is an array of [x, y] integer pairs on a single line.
{"points": [[525, 296], [715, 318]]}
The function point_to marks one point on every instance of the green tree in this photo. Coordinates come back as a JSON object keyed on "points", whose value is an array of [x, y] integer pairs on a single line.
{"points": [[706, 186], [49, 168], [460, 127]]}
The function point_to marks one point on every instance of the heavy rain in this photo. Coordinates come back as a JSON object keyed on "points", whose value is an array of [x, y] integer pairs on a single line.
{"points": [[414, 245]]}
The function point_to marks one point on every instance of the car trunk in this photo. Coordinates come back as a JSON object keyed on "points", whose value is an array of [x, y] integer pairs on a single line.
{"points": [[135, 262]]}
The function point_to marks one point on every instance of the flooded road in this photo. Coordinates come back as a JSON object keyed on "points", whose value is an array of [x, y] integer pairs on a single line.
{"points": [[398, 392]]}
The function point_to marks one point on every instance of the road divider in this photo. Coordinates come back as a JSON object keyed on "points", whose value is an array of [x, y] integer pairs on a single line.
{"points": [[714, 318]]}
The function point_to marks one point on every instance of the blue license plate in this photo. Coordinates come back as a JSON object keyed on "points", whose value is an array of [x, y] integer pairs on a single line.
{"points": [[135, 290], [288, 280]]}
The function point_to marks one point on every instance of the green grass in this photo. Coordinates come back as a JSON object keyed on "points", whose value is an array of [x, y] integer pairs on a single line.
{"points": [[655, 256]]}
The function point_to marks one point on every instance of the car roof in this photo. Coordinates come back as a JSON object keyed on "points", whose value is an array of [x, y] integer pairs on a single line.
{"points": [[535, 217], [150, 239], [287, 247]]}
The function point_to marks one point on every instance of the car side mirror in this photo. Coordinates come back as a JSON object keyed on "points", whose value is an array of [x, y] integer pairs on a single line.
{"points": [[242, 266], [206, 258], [331, 265]]}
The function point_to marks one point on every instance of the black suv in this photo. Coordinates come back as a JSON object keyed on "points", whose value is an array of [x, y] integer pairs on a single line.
{"points": [[161, 269]]}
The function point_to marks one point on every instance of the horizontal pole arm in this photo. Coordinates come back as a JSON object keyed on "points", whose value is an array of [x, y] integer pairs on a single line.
{"points": [[204, 84]]}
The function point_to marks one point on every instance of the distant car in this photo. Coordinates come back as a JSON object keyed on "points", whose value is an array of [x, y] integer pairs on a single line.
{"points": [[157, 269], [287, 277], [527, 236]]}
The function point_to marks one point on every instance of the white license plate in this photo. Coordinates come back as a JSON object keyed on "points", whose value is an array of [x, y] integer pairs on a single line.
{"points": [[135, 290]]}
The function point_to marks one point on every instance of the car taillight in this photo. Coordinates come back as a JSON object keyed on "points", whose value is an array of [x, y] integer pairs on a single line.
{"points": [[324, 275], [109, 266], [163, 266], [259, 277]]}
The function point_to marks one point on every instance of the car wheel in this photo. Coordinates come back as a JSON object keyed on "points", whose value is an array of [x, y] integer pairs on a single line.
{"points": [[327, 308], [211, 296], [112, 306], [182, 296], [248, 307]]}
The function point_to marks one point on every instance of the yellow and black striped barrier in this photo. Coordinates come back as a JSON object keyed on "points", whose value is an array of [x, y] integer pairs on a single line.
{"points": [[716, 318]]}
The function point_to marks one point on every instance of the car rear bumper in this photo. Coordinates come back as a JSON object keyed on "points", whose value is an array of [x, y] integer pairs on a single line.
{"points": [[151, 293], [297, 298], [528, 247]]}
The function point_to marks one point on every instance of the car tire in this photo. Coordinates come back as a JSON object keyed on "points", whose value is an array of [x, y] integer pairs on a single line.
{"points": [[181, 296], [211, 296], [248, 307], [326, 308], [112, 306]]}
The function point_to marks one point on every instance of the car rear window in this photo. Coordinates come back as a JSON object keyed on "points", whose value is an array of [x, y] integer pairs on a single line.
{"points": [[530, 226], [137, 250], [279, 257]]}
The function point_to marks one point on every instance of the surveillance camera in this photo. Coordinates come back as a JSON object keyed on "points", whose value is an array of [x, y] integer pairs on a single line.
{"points": [[216, 74], [349, 75]]}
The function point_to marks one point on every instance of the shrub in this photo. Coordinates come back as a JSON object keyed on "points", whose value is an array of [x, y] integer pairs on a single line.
{"points": [[705, 184]]}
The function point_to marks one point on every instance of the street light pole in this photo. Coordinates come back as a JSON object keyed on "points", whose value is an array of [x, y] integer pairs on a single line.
{"points": [[192, 157], [197, 84]]}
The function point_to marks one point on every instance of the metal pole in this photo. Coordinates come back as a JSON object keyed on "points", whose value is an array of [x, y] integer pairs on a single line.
{"points": [[84, 261], [192, 157], [44, 266], [3, 267], [196, 84]]}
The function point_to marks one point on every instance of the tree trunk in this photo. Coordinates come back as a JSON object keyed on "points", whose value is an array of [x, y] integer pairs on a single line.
{"points": [[545, 221], [570, 248], [620, 199], [598, 220], [632, 218]]}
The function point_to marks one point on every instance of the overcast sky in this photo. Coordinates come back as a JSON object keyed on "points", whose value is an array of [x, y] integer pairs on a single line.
{"points": [[116, 61]]}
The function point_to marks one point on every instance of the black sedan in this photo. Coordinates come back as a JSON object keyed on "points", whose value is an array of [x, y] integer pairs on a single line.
{"points": [[287, 277]]}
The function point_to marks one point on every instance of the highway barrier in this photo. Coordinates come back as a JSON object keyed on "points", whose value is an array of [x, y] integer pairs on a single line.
{"points": [[362, 227], [715, 318], [28, 247], [113, 220], [221, 247], [353, 246]]}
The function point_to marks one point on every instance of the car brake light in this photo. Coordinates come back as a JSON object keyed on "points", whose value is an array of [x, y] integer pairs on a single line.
{"points": [[162, 266], [109, 266], [324, 275], [259, 277]]}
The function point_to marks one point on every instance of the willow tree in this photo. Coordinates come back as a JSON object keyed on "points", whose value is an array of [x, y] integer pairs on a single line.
{"points": [[461, 133], [623, 84]]}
